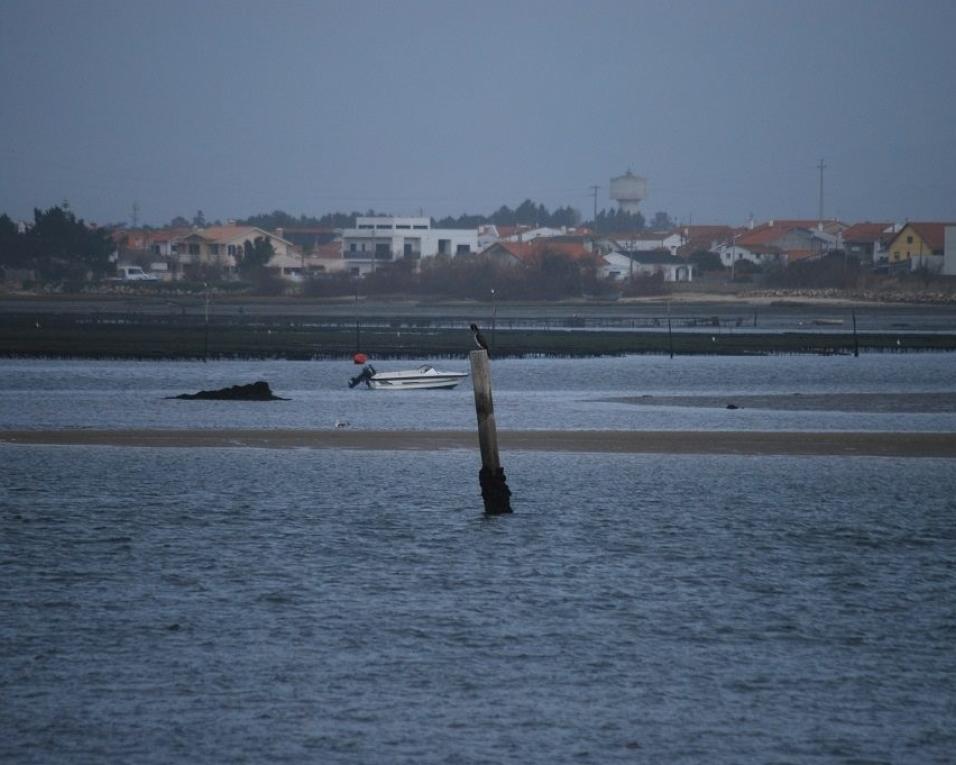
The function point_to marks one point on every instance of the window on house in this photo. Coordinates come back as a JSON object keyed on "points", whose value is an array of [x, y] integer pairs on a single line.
{"points": [[194, 249], [463, 249], [213, 249], [909, 240]]}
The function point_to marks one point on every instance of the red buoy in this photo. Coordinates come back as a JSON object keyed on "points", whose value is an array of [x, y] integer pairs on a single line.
{"points": [[360, 358]]}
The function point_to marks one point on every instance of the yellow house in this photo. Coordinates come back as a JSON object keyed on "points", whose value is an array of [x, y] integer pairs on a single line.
{"points": [[916, 240]]}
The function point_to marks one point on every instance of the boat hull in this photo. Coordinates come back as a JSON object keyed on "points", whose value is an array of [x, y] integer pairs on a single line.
{"points": [[423, 378], [417, 383]]}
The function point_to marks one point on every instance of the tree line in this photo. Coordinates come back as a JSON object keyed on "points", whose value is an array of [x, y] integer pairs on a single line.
{"points": [[528, 213], [58, 248]]}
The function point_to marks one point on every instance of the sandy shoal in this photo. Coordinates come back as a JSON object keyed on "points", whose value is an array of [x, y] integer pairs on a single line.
{"points": [[881, 444]]}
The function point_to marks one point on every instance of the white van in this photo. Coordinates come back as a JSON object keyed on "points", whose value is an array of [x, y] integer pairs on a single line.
{"points": [[134, 274]]}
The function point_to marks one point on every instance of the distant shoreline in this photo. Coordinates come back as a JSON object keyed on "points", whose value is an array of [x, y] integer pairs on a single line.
{"points": [[230, 327], [763, 443]]}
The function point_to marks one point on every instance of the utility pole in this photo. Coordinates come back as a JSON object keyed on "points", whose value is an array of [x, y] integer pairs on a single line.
{"points": [[821, 167], [594, 191]]}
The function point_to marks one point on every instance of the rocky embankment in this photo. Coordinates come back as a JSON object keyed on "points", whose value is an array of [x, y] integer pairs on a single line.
{"points": [[937, 297]]}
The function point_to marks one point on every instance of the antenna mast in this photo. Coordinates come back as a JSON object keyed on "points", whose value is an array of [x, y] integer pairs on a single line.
{"points": [[821, 167], [594, 191]]}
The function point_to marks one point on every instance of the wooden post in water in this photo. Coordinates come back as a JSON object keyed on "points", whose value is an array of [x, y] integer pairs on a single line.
{"points": [[670, 336], [856, 342], [491, 477]]}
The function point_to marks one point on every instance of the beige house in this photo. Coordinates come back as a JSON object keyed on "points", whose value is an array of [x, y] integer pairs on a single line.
{"points": [[220, 247]]}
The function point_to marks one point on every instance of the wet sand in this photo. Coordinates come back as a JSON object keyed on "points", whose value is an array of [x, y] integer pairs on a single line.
{"points": [[877, 444], [818, 402]]}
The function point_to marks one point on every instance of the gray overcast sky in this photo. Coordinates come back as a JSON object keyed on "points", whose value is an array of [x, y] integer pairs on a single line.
{"points": [[247, 106]]}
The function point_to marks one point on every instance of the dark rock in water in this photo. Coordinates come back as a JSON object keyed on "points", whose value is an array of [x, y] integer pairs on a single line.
{"points": [[257, 391], [732, 406]]}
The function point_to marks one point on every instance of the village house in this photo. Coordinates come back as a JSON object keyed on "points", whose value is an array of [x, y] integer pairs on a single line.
{"points": [[759, 254], [647, 241], [868, 241], [379, 240], [701, 238], [221, 247], [921, 245], [622, 265], [781, 242], [533, 253]]}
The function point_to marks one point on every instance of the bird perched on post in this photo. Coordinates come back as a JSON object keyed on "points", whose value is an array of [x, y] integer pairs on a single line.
{"points": [[479, 338]]}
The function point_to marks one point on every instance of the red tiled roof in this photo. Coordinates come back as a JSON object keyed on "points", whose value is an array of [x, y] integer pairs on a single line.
{"points": [[932, 234], [530, 253], [865, 232], [766, 233]]}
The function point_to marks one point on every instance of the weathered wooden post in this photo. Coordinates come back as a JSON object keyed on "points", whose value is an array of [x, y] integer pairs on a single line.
{"points": [[856, 341], [491, 477], [670, 336]]}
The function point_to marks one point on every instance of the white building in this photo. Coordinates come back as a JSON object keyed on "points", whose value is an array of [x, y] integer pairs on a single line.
{"points": [[759, 254], [651, 241], [626, 265], [949, 251], [376, 241]]}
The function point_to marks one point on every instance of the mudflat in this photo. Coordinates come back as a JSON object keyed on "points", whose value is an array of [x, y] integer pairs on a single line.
{"points": [[837, 443]]}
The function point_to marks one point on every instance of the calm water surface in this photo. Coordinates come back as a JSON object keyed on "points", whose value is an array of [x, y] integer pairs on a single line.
{"points": [[529, 394], [244, 605]]}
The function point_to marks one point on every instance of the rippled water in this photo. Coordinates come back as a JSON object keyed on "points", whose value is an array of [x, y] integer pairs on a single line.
{"points": [[529, 394], [243, 605], [230, 605]]}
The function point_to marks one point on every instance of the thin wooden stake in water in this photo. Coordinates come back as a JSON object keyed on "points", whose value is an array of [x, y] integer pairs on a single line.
{"points": [[670, 336], [856, 342], [491, 477]]}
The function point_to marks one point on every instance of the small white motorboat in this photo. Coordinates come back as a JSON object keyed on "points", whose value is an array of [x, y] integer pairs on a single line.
{"points": [[424, 378]]}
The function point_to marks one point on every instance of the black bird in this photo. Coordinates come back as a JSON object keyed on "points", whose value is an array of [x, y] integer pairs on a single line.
{"points": [[479, 338]]}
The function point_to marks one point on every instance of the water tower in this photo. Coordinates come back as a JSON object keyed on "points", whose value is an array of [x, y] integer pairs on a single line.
{"points": [[628, 190]]}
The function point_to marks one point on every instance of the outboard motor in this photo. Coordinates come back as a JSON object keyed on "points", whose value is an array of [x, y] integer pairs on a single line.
{"points": [[364, 376]]}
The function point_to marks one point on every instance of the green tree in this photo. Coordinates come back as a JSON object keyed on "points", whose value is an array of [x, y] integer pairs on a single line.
{"points": [[617, 222], [62, 248], [661, 221], [12, 251], [255, 257], [704, 261]]}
